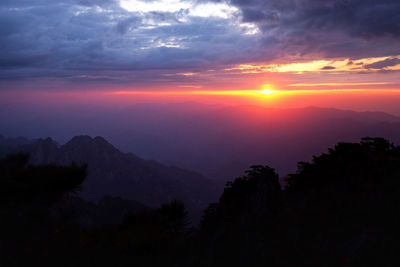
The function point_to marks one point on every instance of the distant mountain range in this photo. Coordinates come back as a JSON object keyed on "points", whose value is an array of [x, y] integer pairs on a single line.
{"points": [[222, 141], [218, 141], [112, 172]]}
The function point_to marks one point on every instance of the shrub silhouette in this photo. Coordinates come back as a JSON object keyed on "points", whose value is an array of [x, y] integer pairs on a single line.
{"points": [[27, 194]]}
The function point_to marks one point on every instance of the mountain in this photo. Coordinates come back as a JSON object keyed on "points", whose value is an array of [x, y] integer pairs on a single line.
{"points": [[112, 172], [218, 141], [222, 141]]}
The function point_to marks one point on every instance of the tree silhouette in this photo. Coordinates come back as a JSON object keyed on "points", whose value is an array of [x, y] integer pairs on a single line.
{"points": [[41, 184], [256, 193], [233, 230], [27, 194], [347, 202], [340, 209]]}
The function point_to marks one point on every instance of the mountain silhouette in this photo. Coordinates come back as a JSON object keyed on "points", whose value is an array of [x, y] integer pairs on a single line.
{"points": [[112, 172], [218, 141]]}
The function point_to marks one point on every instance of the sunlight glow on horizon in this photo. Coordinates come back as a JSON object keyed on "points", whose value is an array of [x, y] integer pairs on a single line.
{"points": [[267, 92], [357, 99]]}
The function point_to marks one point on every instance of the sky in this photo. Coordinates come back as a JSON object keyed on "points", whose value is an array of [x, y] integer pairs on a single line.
{"points": [[339, 53]]}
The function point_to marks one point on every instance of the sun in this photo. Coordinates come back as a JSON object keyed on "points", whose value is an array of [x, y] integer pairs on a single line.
{"points": [[266, 91]]}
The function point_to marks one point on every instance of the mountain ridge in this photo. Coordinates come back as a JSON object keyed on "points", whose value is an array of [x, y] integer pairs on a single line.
{"points": [[112, 172], [218, 141]]}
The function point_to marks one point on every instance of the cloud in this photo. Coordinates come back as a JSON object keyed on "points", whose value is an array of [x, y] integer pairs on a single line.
{"points": [[328, 68], [88, 38], [383, 63], [329, 28]]}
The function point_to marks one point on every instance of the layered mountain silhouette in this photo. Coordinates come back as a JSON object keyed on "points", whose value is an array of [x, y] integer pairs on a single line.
{"points": [[218, 141], [112, 172], [221, 141]]}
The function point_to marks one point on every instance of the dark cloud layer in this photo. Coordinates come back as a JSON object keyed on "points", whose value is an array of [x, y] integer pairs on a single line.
{"points": [[329, 28], [86, 38], [383, 63], [92, 39]]}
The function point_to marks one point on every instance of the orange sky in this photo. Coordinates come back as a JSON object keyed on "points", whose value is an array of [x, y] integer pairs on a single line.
{"points": [[343, 84], [358, 99]]}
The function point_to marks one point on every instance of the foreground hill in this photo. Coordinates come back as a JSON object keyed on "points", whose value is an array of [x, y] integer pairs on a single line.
{"points": [[340, 209], [112, 172]]}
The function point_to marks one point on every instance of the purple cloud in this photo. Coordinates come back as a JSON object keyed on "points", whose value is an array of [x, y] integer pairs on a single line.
{"points": [[328, 68], [91, 40], [383, 63], [331, 28]]}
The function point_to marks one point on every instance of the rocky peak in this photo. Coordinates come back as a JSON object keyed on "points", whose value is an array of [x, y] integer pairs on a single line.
{"points": [[86, 142], [93, 151], [80, 140], [100, 141]]}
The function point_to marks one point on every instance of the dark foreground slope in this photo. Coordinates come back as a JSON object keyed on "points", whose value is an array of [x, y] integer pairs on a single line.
{"points": [[112, 172], [341, 209]]}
